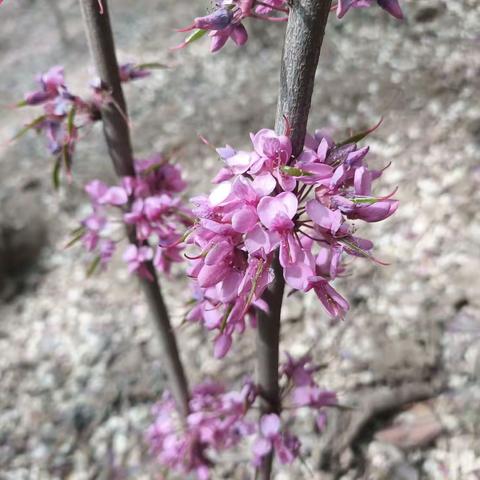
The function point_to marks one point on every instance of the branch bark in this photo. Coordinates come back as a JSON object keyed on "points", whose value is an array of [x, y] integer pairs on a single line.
{"points": [[301, 51], [345, 427], [117, 135]]}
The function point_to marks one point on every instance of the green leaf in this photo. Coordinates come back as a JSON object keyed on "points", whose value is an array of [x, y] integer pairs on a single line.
{"points": [[70, 121], [93, 266], [292, 171], [355, 247], [152, 66], [67, 158], [196, 35], [77, 235], [360, 251], [361, 135], [365, 200], [225, 318], [29, 126], [153, 168], [295, 171], [56, 172]]}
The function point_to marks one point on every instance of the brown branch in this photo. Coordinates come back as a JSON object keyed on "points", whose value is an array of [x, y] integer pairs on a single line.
{"points": [[301, 51], [346, 426], [117, 136]]}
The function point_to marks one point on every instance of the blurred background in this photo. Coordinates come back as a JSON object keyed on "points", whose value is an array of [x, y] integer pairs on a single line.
{"points": [[79, 361]]}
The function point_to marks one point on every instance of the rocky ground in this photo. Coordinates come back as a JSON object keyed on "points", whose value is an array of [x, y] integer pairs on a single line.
{"points": [[79, 362]]}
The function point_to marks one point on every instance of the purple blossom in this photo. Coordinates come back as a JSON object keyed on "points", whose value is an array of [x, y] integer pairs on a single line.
{"points": [[131, 71], [226, 21], [136, 258], [268, 6], [218, 20], [299, 372], [64, 114], [51, 83], [285, 445], [313, 396], [94, 224]]}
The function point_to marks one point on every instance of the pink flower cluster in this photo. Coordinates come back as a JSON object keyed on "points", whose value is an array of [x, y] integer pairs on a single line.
{"points": [[391, 6], [269, 203], [65, 114], [150, 203], [226, 20], [220, 420]]}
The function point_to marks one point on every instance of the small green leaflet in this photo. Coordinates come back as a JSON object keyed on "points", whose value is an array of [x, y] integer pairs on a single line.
{"points": [[28, 127], [225, 318], [360, 136], [295, 172], [152, 66], [365, 200], [70, 120], [56, 172], [93, 266], [77, 234], [196, 35]]}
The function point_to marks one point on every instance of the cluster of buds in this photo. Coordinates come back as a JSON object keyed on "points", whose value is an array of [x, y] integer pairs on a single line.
{"points": [[219, 420], [268, 203], [391, 6], [226, 20], [149, 204], [65, 114]]}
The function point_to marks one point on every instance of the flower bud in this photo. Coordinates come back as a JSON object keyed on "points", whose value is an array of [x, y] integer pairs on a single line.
{"points": [[218, 20], [36, 98]]}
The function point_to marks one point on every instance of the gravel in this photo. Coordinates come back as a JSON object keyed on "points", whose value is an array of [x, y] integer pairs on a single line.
{"points": [[79, 362]]}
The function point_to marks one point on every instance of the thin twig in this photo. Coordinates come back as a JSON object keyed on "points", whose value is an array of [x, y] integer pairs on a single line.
{"points": [[117, 136], [344, 431]]}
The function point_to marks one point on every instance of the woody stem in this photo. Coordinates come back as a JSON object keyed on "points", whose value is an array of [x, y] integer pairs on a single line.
{"points": [[303, 41]]}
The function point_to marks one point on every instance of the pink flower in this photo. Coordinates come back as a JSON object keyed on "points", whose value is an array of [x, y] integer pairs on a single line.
{"points": [[107, 249], [226, 21], [268, 6], [249, 194], [297, 370], [52, 83], [272, 153], [216, 422], [266, 202], [391, 6], [136, 257], [65, 113], [218, 20], [276, 214], [94, 224], [333, 302], [285, 445], [328, 220], [131, 71], [237, 33], [312, 396]]}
